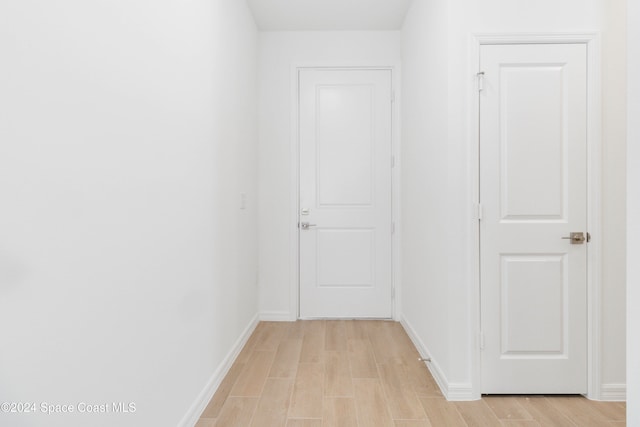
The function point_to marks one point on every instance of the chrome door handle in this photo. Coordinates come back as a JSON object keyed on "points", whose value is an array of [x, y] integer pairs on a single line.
{"points": [[577, 238], [306, 225]]}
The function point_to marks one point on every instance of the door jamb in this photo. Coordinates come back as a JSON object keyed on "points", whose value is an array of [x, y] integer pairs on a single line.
{"points": [[294, 244], [594, 188]]}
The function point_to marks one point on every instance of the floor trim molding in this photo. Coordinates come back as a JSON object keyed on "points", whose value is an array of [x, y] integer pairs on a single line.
{"points": [[451, 391], [201, 402], [613, 392]]}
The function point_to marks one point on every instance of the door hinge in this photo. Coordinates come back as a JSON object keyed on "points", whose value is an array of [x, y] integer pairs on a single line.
{"points": [[393, 162], [481, 340], [393, 293], [479, 211], [393, 96], [393, 228], [480, 77]]}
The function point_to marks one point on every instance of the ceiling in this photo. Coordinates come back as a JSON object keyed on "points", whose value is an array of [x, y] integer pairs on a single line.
{"points": [[329, 15]]}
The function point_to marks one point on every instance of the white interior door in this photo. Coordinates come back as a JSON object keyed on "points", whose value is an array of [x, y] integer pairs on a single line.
{"points": [[345, 193], [533, 192]]}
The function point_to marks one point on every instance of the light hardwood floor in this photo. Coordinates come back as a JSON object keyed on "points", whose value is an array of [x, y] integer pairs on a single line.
{"points": [[366, 374]]}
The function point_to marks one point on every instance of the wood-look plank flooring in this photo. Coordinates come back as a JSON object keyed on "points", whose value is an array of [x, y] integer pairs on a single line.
{"points": [[365, 373]]}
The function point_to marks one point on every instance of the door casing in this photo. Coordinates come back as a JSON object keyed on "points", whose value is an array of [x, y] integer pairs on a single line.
{"points": [[594, 179], [294, 246]]}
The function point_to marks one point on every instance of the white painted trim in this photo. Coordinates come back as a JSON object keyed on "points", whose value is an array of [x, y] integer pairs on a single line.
{"points": [[451, 391], [396, 185], [633, 212], [294, 180], [201, 402], [294, 273], [461, 392], [473, 164], [613, 393], [594, 188], [594, 219], [275, 316], [423, 351], [535, 38]]}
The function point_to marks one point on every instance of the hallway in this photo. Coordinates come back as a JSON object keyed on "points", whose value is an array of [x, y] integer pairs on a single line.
{"points": [[366, 374], [151, 218]]}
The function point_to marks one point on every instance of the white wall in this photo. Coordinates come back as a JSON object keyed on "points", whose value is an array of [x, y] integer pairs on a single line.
{"points": [[127, 271], [278, 53], [633, 206], [445, 275], [425, 200]]}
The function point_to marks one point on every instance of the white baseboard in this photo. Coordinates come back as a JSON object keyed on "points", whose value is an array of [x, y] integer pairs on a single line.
{"points": [[613, 392], [460, 392], [276, 316], [193, 414], [451, 391]]}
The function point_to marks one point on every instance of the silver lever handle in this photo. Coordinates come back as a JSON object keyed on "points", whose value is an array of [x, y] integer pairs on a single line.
{"points": [[576, 238], [306, 225]]}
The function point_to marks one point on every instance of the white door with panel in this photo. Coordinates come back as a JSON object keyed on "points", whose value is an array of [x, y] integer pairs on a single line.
{"points": [[345, 193], [533, 194]]}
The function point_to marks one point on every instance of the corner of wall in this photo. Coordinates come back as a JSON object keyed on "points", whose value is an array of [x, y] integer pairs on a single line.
{"points": [[276, 316]]}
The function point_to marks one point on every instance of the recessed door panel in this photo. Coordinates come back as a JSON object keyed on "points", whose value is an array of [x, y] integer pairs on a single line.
{"points": [[533, 152], [534, 306], [346, 258], [345, 145]]}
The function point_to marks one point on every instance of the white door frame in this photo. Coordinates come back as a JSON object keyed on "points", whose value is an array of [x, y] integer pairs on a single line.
{"points": [[294, 244], [594, 179]]}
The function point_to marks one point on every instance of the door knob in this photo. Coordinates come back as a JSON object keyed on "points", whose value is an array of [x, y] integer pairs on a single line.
{"points": [[577, 238], [306, 225]]}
